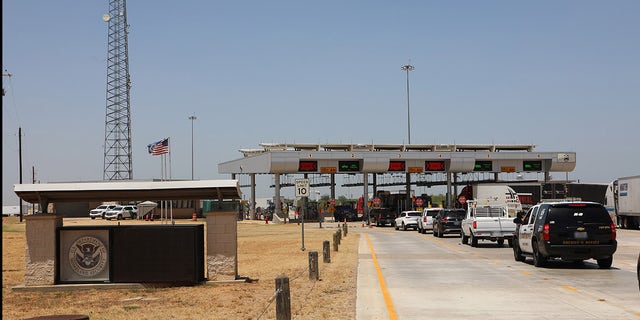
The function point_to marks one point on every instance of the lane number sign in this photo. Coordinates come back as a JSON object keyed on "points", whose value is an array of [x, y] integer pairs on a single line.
{"points": [[302, 187]]}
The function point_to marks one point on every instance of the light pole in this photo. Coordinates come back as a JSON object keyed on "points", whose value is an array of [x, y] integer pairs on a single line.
{"points": [[408, 68], [192, 118]]}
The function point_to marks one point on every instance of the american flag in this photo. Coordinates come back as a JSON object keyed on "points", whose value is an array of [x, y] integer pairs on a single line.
{"points": [[158, 148]]}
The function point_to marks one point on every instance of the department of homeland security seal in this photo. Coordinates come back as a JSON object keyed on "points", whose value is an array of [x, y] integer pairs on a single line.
{"points": [[87, 256]]}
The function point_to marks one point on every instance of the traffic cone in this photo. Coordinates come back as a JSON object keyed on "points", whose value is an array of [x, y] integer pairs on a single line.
{"points": [[194, 217]]}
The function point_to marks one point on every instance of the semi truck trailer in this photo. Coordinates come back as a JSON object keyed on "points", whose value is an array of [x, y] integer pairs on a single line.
{"points": [[623, 201]]}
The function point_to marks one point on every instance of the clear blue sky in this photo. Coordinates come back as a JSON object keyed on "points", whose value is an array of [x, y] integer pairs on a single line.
{"points": [[563, 75]]}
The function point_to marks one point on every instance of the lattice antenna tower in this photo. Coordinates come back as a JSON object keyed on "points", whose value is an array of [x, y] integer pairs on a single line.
{"points": [[117, 133]]}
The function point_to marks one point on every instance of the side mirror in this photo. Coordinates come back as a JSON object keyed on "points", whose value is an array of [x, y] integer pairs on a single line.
{"points": [[517, 220]]}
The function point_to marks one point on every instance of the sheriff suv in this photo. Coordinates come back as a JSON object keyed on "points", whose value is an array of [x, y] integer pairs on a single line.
{"points": [[574, 231]]}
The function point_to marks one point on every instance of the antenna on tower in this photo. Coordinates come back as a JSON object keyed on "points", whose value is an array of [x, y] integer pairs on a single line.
{"points": [[117, 133]]}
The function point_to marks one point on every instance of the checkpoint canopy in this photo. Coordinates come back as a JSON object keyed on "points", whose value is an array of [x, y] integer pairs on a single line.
{"points": [[46, 193]]}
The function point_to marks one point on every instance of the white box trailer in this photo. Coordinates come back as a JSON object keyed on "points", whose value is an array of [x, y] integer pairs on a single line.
{"points": [[623, 196]]}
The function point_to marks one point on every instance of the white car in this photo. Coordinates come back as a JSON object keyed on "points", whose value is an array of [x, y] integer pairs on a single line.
{"points": [[121, 212], [425, 222], [99, 211], [407, 219]]}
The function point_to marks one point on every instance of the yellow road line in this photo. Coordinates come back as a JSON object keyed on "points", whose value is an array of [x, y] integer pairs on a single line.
{"points": [[570, 288], [385, 292]]}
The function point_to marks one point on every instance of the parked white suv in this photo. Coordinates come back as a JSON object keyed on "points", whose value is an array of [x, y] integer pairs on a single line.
{"points": [[121, 212], [425, 222], [407, 219], [99, 211]]}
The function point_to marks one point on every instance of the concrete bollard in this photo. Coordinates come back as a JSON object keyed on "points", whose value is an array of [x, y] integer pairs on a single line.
{"points": [[335, 242], [326, 253], [344, 230]]}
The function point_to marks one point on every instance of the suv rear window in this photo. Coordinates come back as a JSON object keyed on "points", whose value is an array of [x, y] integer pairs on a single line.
{"points": [[570, 214], [455, 213], [414, 214], [431, 213]]}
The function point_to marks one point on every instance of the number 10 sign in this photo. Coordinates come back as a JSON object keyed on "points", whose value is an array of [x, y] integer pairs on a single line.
{"points": [[302, 187]]}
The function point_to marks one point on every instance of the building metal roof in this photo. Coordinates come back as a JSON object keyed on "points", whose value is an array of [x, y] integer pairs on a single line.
{"points": [[129, 191]]}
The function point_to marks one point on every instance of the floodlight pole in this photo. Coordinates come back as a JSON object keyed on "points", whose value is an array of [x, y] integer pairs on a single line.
{"points": [[408, 68]]}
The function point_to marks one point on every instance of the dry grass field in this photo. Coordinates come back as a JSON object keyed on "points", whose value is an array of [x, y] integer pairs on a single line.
{"points": [[264, 253]]}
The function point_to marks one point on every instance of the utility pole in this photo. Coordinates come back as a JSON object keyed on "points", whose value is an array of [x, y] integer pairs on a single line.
{"points": [[20, 163], [192, 118]]}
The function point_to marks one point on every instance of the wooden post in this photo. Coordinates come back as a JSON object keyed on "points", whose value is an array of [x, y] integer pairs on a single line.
{"points": [[335, 242], [326, 253], [339, 233], [283, 299], [313, 265], [344, 230]]}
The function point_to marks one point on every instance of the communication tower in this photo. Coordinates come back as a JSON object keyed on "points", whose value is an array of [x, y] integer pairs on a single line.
{"points": [[117, 133]]}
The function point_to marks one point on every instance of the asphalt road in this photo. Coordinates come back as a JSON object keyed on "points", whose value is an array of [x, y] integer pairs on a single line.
{"points": [[407, 275]]}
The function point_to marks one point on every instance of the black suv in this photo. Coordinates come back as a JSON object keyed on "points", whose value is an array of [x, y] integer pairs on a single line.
{"points": [[382, 216], [448, 221], [574, 231], [345, 212]]}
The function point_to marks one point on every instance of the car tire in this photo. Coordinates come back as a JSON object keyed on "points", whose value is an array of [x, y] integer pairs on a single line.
{"points": [[474, 240], [517, 253], [395, 226], [500, 242], [93, 218], [538, 259], [440, 233], [433, 231], [510, 242], [465, 238], [119, 217], [404, 227], [605, 263]]}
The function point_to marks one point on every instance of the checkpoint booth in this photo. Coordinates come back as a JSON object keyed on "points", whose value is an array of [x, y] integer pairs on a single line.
{"points": [[131, 253]]}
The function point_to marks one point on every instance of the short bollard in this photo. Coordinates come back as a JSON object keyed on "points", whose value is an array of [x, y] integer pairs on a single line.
{"points": [[344, 230], [283, 298], [339, 236], [335, 242], [313, 265], [326, 253]]}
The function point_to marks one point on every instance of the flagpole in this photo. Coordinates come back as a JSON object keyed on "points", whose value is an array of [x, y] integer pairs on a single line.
{"points": [[170, 177]]}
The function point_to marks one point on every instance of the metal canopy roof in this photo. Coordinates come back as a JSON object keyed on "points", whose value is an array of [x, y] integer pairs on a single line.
{"points": [[129, 191], [285, 158]]}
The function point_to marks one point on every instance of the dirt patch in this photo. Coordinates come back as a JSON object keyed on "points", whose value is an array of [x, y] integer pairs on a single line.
{"points": [[264, 253]]}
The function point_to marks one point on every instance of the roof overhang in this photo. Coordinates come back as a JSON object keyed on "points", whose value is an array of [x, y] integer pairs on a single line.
{"points": [[129, 191]]}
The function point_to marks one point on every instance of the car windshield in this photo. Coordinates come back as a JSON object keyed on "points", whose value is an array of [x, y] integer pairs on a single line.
{"points": [[431, 213], [101, 207], [414, 214], [117, 208]]}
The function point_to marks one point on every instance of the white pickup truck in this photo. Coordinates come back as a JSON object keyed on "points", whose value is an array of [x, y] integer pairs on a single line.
{"points": [[487, 223]]}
